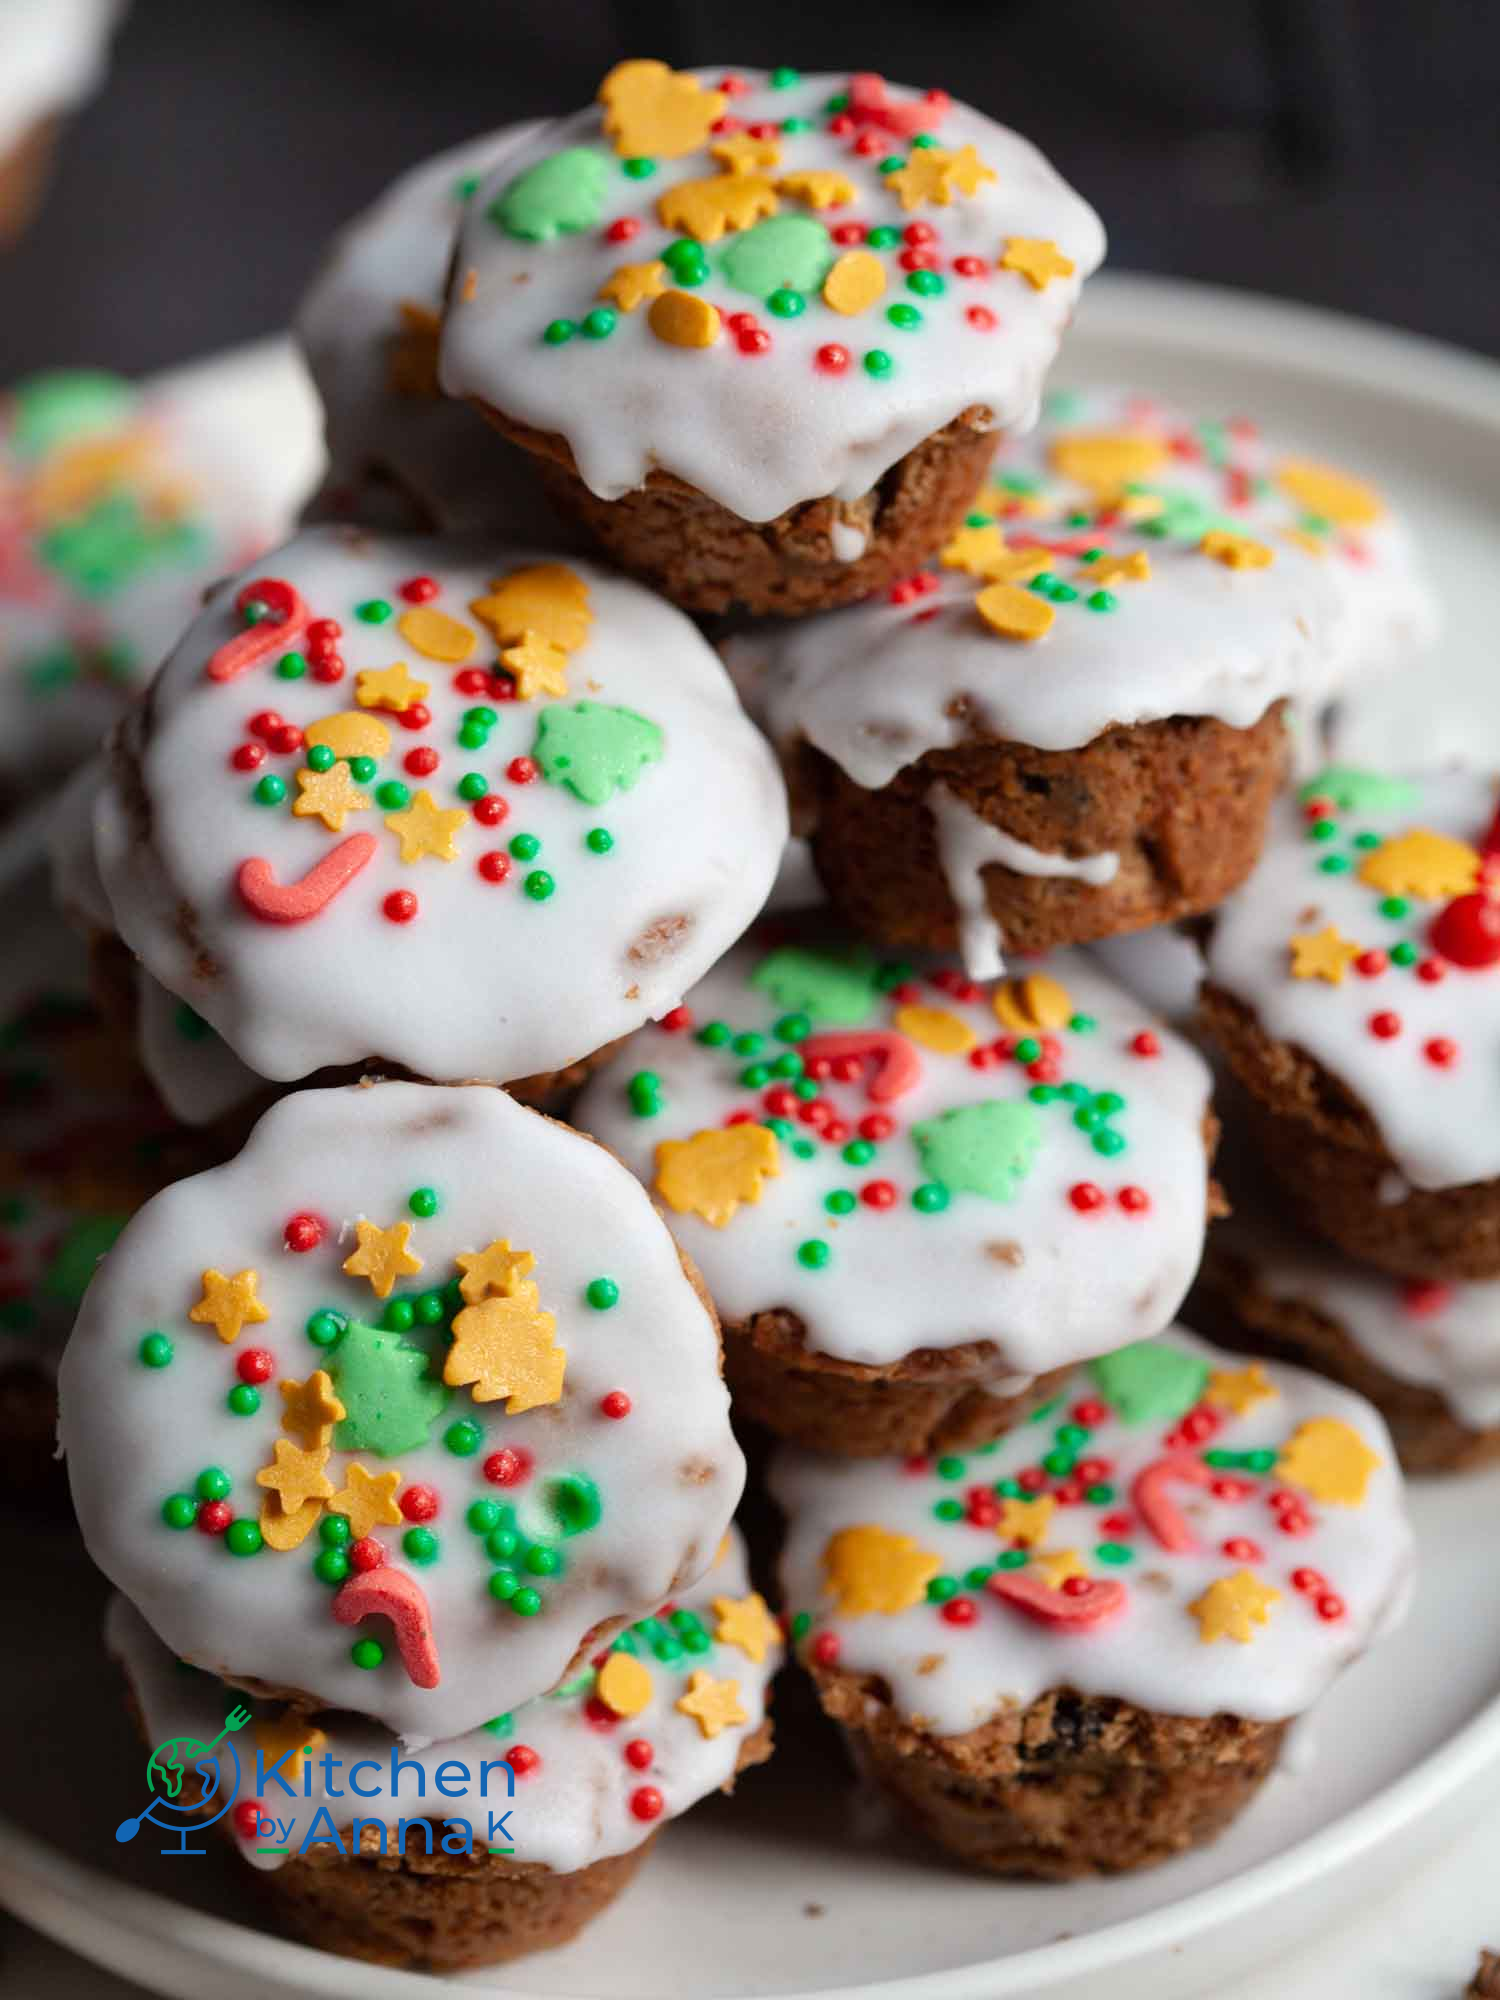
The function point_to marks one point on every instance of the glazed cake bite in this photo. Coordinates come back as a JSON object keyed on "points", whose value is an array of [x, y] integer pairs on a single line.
{"points": [[410, 1406], [1354, 985], [398, 450], [759, 331], [671, 1711], [1080, 1650], [53, 55], [116, 514], [1425, 1352], [1070, 726], [914, 1199], [468, 813]]}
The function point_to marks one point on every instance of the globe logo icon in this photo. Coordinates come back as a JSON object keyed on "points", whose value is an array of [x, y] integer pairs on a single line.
{"points": [[191, 1784]]}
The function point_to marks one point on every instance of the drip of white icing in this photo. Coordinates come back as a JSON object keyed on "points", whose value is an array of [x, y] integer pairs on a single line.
{"points": [[967, 845], [849, 542]]}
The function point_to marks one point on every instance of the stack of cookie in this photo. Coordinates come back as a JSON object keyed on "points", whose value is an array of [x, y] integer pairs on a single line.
{"points": [[418, 798], [1351, 987]]}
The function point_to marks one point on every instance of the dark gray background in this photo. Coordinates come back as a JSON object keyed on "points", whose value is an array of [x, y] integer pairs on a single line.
{"points": [[1345, 152]]}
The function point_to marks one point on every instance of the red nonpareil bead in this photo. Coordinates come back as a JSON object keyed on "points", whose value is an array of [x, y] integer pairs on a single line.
{"points": [[1069, 1493], [1432, 970], [1086, 1197], [471, 680], [841, 125], [521, 770], [1092, 1470], [741, 1118], [416, 716], [1385, 1026], [1118, 1525], [328, 667], [646, 1802], [285, 738], [959, 1611], [915, 1467], [1330, 1606], [491, 809], [367, 1554], [400, 906], [509, 1466], [1467, 932], [1370, 964], [323, 635], [494, 866], [304, 1232], [256, 1365], [1089, 1411], [676, 1021], [1308, 1581], [981, 318], [1422, 1297], [877, 1126], [832, 359], [919, 232], [834, 1133], [1239, 1548], [421, 762], [753, 340], [616, 1404], [970, 267], [522, 1759], [847, 233], [825, 1649], [1031, 1479], [879, 1194], [1441, 1052], [598, 1715], [917, 260], [781, 1101], [418, 589], [1077, 1586], [214, 1516], [248, 757], [624, 229], [1316, 809], [419, 1502], [868, 144], [639, 1754]]}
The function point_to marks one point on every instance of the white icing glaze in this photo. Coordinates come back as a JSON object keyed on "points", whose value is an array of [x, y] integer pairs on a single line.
{"points": [[1047, 1284], [1162, 966], [77, 886], [967, 845], [485, 982], [955, 1677], [1440, 1124], [52, 56], [797, 886], [1442, 1336], [762, 432], [668, 1473], [197, 1075], [394, 255], [570, 1809], [113, 524], [848, 542]]}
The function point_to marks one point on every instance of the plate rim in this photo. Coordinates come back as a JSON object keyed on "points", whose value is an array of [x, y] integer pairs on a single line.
{"points": [[48, 1889]]}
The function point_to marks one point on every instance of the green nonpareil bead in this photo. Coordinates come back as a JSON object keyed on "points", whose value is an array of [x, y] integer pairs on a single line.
{"points": [[321, 758], [243, 1400], [155, 1351]]}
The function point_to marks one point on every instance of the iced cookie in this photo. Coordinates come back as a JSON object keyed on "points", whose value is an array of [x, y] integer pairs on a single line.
{"points": [[759, 331], [398, 449], [1070, 725], [82, 1145], [1354, 985], [52, 56], [116, 514], [914, 1199], [1080, 1651], [1425, 1352], [410, 1405], [587, 1775], [470, 814]]}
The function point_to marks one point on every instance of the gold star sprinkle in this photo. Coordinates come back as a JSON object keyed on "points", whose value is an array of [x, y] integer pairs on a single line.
{"points": [[1240, 1389], [548, 598], [654, 112], [1421, 863], [1330, 1460], [746, 1622], [1233, 1607], [1055, 1566], [390, 687], [933, 174], [504, 1347], [425, 828], [368, 1499], [1014, 613], [1325, 954], [1026, 1521], [497, 1269], [872, 1569], [1236, 551], [288, 1731], [632, 284], [983, 552], [1036, 260], [296, 1475], [382, 1256], [310, 1409], [707, 210], [539, 667], [713, 1705], [329, 795], [228, 1305]]}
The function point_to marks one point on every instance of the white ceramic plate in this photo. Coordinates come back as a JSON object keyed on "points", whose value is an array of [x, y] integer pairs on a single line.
{"points": [[797, 1886]]}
